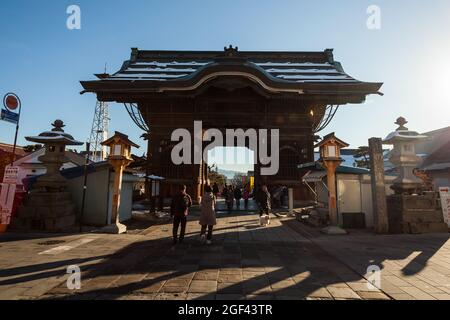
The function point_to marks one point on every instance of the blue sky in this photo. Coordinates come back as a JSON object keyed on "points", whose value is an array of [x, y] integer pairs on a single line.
{"points": [[43, 61]]}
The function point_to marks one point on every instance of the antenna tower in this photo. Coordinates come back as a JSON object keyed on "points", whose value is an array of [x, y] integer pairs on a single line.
{"points": [[99, 132]]}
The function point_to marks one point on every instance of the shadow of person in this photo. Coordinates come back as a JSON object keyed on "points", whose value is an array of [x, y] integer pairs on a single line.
{"points": [[244, 260]]}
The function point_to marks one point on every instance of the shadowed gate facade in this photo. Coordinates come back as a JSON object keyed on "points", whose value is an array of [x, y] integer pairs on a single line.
{"points": [[295, 92]]}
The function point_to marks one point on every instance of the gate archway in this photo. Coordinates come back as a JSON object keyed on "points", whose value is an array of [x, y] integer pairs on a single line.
{"points": [[295, 92]]}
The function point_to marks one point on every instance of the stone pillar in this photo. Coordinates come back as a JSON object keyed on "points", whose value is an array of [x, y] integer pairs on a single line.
{"points": [[379, 204], [291, 200]]}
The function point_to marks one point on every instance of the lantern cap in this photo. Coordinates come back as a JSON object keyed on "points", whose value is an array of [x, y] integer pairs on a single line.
{"points": [[56, 135], [119, 137], [331, 138], [402, 133]]}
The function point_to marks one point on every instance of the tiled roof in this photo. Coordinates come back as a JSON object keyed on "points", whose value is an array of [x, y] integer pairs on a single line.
{"points": [[297, 67], [149, 73], [8, 148]]}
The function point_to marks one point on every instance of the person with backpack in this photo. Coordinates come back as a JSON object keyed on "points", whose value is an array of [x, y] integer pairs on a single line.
{"points": [[179, 210]]}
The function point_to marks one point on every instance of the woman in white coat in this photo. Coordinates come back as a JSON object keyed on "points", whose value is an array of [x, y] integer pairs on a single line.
{"points": [[208, 215]]}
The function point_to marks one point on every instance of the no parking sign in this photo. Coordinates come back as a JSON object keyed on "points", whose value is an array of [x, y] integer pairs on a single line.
{"points": [[11, 112]]}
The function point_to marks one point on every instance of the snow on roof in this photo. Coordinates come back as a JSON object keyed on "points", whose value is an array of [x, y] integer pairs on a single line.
{"points": [[313, 72], [437, 166], [403, 135], [293, 64], [57, 138]]}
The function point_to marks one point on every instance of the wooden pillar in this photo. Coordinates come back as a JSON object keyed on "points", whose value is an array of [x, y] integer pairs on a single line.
{"points": [[380, 214], [148, 186], [331, 166], [197, 176], [154, 146], [117, 187]]}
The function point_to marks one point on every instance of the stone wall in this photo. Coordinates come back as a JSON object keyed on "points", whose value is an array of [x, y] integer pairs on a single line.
{"points": [[415, 214]]}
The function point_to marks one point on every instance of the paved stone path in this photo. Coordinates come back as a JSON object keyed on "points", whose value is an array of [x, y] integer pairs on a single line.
{"points": [[283, 261]]}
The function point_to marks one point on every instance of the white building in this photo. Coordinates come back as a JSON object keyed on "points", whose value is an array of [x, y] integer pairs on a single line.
{"points": [[33, 167]]}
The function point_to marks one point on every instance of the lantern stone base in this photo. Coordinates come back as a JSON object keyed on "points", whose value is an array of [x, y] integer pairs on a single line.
{"points": [[415, 214], [333, 230], [43, 211], [115, 228]]}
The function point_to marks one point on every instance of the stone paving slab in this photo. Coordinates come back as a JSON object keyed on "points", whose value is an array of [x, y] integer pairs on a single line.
{"points": [[285, 260]]}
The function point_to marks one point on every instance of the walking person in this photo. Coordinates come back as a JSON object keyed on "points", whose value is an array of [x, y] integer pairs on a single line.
{"points": [[208, 215], [238, 196], [224, 191], [215, 190], [179, 210], [264, 201], [246, 196], [229, 198]]}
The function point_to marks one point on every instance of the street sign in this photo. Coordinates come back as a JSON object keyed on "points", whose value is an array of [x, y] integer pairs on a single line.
{"points": [[11, 175], [11, 113], [5, 216], [9, 116], [11, 101]]}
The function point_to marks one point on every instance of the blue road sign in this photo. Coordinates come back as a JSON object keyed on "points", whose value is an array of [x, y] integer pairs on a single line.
{"points": [[9, 116]]}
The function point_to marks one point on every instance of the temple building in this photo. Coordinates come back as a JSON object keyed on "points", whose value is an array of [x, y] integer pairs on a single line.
{"points": [[295, 92]]}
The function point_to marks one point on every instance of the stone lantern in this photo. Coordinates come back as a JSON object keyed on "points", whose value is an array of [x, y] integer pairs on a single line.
{"points": [[49, 206], [410, 210], [330, 158], [119, 158], [404, 158]]}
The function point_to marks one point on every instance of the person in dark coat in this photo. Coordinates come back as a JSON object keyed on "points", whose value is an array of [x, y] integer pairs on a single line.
{"points": [[246, 196], [224, 191], [215, 189], [179, 210], [229, 198], [264, 201], [238, 196], [208, 215]]}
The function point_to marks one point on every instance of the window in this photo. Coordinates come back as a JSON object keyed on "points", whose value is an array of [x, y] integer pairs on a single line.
{"points": [[407, 147], [332, 152], [117, 150]]}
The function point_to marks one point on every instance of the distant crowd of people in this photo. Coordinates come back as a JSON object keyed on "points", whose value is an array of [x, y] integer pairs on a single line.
{"points": [[182, 201]]}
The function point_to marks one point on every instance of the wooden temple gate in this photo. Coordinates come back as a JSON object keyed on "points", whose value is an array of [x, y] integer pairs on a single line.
{"points": [[295, 92]]}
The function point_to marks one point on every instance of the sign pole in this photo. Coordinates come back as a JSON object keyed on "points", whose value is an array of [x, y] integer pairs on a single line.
{"points": [[88, 147], [11, 102], [15, 136]]}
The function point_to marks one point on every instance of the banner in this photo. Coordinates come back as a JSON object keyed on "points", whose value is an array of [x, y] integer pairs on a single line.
{"points": [[444, 193], [7, 202], [13, 176]]}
